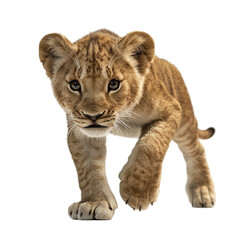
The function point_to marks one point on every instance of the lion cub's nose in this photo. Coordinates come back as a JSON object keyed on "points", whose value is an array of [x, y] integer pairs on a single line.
{"points": [[93, 118]]}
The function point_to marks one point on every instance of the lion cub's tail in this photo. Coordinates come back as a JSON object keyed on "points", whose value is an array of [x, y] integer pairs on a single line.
{"points": [[206, 134]]}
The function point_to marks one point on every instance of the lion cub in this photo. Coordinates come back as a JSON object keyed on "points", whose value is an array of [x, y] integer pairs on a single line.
{"points": [[109, 84]]}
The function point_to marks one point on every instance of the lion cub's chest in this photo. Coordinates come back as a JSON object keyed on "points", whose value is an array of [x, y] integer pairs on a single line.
{"points": [[132, 126], [126, 129]]}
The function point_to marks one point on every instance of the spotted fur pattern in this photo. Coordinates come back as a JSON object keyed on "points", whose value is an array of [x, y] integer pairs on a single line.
{"points": [[151, 103]]}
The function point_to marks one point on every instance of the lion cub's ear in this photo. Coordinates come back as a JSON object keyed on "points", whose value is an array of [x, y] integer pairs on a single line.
{"points": [[54, 50], [138, 46]]}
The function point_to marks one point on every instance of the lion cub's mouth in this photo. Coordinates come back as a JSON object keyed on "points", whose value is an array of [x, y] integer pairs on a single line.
{"points": [[95, 125]]}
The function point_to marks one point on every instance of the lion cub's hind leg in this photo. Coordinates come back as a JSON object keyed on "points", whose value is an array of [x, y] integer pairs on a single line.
{"points": [[199, 187]]}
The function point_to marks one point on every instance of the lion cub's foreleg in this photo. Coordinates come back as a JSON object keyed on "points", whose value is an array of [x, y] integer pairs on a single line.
{"points": [[97, 200], [140, 177]]}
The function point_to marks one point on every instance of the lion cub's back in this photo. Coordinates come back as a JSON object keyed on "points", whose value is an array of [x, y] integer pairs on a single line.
{"points": [[174, 83]]}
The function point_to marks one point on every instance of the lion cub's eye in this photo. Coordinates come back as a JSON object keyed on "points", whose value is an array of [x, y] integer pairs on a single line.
{"points": [[75, 85], [113, 85]]}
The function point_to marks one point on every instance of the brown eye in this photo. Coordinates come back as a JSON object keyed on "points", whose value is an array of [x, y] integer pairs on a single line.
{"points": [[113, 85], [75, 85]]}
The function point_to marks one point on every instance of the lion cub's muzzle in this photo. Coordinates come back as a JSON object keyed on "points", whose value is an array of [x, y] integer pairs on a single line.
{"points": [[95, 125], [93, 118]]}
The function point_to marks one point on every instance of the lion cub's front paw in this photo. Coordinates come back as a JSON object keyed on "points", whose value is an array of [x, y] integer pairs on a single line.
{"points": [[139, 190], [91, 210]]}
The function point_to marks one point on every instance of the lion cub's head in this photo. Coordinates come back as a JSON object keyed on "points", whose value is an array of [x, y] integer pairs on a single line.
{"points": [[99, 78]]}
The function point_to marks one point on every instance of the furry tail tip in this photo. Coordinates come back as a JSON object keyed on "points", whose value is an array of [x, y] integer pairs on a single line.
{"points": [[206, 134]]}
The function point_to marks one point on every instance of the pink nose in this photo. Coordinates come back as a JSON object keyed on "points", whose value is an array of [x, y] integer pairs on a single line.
{"points": [[93, 118]]}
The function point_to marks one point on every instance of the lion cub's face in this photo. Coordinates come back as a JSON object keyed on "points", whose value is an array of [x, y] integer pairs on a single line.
{"points": [[97, 79]]}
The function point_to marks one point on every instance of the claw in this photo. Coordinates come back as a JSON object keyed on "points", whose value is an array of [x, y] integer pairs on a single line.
{"points": [[133, 209], [140, 208], [71, 213], [152, 203], [90, 212], [127, 201], [81, 214]]}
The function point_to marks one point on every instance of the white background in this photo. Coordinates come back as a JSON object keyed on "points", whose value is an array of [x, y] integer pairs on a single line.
{"points": [[38, 180]]}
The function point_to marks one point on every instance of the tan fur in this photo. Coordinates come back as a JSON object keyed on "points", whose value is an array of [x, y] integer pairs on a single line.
{"points": [[152, 103]]}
